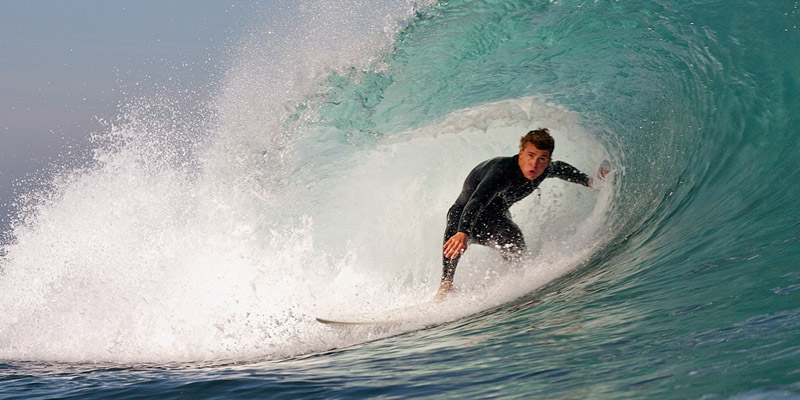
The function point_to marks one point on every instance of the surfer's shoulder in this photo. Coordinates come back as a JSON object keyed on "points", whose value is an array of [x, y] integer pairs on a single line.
{"points": [[503, 161], [499, 165]]}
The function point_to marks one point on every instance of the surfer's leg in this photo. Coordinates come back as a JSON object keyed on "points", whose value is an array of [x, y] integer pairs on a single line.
{"points": [[449, 268], [507, 237], [449, 264]]}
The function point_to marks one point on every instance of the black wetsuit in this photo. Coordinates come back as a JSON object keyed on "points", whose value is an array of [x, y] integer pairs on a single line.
{"points": [[481, 210]]}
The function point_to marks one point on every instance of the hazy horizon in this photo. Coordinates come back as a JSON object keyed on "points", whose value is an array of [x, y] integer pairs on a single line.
{"points": [[65, 64]]}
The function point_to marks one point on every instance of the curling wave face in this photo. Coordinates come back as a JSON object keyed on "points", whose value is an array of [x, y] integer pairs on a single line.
{"points": [[329, 193]]}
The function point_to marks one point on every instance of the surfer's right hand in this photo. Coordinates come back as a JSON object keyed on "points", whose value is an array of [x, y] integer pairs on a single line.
{"points": [[456, 245]]}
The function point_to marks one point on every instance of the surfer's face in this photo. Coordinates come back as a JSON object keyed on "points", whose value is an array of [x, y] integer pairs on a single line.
{"points": [[532, 161]]}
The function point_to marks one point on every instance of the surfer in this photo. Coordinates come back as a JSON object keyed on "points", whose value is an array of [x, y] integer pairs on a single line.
{"points": [[480, 214]]}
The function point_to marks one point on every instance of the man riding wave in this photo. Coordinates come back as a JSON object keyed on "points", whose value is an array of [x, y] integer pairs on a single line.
{"points": [[481, 214]]}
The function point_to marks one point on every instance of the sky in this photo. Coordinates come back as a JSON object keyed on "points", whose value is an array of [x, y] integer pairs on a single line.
{"points": [[64, 64]]}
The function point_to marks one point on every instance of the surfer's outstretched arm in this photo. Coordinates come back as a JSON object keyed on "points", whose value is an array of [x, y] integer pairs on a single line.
{"points": [[562, 170]]}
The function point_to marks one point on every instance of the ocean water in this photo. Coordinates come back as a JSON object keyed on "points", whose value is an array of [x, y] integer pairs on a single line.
{"points": [[190, 253]]}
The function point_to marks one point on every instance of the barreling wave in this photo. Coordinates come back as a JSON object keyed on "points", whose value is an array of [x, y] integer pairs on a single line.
{"points": [[323, 176]]}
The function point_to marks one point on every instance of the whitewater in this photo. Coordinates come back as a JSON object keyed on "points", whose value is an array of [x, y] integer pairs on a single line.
{"points": [[191, 251]]}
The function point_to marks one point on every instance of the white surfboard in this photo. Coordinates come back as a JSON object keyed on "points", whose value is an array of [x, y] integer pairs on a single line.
{"points": [[395, 316]]}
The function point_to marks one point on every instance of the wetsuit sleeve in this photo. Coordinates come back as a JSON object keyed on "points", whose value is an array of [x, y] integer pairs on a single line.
{"points": [[491, 184], [562, 170]]}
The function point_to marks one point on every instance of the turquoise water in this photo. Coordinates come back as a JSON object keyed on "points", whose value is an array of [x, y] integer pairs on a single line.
{"points": [[191, 254]]}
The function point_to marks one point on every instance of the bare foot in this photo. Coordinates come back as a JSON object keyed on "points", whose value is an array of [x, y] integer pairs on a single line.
{"points": [[444, 288]]}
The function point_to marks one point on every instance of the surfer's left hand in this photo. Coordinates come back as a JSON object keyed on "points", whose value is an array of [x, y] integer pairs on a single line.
{"points": [[602, 171]]}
